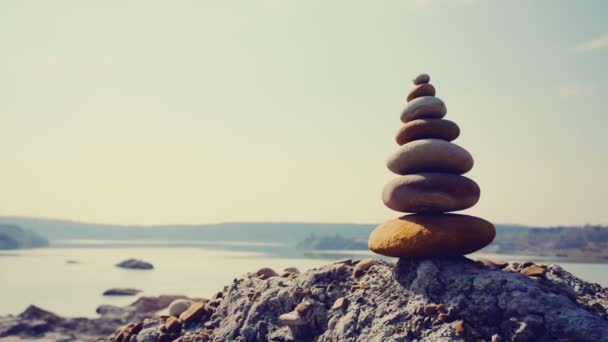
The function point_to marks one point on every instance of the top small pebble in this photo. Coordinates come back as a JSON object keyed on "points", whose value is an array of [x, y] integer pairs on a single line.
{"points": [[422, 78]]}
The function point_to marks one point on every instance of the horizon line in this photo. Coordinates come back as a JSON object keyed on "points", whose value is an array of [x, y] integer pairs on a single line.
{"points": [[46, 218]]}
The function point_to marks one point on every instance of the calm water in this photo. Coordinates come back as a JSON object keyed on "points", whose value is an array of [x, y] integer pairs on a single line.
{"points": [[43, 277]]}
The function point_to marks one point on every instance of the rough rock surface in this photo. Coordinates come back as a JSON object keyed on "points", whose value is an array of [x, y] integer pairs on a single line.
{"points": [[438, 299]]}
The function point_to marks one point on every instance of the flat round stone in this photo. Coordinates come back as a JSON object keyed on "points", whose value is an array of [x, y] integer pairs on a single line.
{"points": [[421, 79], [427, 129], [431, 236], [430, 193], [425, 89], [423, 108], [430, 155]]}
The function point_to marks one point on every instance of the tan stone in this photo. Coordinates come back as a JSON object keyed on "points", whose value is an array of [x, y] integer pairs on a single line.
{"points": [[363, 266], [430, 155], [431, 235], [534, 271], [430, 310], [427, 129], [425, 89], [194, 312], [124, 333], [430, 193], [304, 307], [172, 325], [459, 327], [340, 303]]}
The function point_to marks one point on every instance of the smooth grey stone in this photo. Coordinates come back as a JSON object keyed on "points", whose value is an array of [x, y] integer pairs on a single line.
{"points": [[430, 155], [424, 107], [430, 193], [421, 79]]}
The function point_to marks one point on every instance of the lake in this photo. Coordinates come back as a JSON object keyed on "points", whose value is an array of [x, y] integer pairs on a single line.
{"points": [[198, 269]]}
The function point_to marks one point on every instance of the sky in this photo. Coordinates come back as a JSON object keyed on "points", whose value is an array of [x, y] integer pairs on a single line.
{"points": [[158, 112]]}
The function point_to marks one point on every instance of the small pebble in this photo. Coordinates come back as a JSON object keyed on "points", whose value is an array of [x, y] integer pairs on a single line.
{"points": [[363, 266], [340, 303], [430, 310], [421, 79], [459, 327], [534, 271]]}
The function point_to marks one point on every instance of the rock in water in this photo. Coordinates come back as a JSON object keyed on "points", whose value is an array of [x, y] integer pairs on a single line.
{"points": [[121, 292], [430, 193], [135, 264], [427, 129], [424, 108], [430, 155], [431, 235]]}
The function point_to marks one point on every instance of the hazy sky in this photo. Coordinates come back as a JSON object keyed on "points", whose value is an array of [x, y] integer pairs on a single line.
{"points": [[285, 110]]}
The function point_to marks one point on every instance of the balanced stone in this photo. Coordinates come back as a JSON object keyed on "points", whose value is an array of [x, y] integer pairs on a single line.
{"points": [[430, 155], [430, 193], [424, 107], [430, 185], [421, 79], [431, 235], [427, 129], [425, 89]]}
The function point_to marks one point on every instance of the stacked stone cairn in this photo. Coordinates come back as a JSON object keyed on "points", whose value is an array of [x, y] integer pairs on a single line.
{"points": [[430, 184]]}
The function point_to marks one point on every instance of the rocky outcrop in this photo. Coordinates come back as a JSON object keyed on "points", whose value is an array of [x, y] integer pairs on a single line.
{"points": [[434, 299]]}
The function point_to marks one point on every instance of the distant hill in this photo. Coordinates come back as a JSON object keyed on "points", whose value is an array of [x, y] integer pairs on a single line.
{"points": [[589, 242], [332, 242], [280, 232], [576, 243], [14, 237]]}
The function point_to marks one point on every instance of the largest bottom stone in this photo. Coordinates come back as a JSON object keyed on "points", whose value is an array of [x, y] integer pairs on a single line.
{"points": [[431, 235]]}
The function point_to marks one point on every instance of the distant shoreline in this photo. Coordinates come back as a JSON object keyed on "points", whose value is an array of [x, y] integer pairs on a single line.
{"points": [[278, 249]]}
